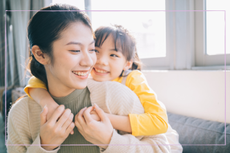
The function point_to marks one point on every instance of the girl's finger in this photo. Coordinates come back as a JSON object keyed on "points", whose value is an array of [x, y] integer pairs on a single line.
{"points": [[101, 113], [43, 115]]}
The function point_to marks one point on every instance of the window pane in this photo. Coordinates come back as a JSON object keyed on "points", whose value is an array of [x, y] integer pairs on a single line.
{"points": [[78, 3], [148, 28], [215, 23]]}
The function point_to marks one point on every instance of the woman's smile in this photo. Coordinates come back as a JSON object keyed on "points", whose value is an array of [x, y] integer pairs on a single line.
{"points": [[83, 74]]}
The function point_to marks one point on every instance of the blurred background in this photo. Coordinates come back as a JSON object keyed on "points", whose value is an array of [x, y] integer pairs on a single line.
{"points": [[184, 46]]}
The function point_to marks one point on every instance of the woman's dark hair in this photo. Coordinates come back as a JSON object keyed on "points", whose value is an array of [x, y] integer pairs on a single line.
{"points": [[123, 42], [45, 27]]}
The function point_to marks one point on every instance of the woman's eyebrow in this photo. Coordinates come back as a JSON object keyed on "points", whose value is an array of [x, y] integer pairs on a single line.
{"points": [[73, 43], [78, 43], [92, 42]]}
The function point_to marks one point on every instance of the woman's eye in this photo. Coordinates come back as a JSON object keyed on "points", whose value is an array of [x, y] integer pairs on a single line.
{"points": [[96, 51], [93, 50], [75, 51], [113, 55]]}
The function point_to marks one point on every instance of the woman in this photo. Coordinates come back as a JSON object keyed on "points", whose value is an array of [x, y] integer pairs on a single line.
{"points": [[62, 44]]}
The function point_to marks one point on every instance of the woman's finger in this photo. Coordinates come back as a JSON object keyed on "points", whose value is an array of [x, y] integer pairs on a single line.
{"points": [[70, 128], [77, 118], [64, 117], [57, 113], [87, 115], [68, 122]]}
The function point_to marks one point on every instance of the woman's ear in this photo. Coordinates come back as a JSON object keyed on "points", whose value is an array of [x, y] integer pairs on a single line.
{"points": [[128, 65], [39, 55]]}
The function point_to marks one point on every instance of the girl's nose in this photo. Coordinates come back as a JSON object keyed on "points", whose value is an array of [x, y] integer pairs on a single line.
{"points": [[102, 60]]}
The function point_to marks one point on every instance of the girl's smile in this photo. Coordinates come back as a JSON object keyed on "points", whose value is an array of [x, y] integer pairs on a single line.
{"points": [[110, 62]]}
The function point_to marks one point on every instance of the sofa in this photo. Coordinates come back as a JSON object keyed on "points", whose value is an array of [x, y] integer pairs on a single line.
{"points": [[199, 135]]}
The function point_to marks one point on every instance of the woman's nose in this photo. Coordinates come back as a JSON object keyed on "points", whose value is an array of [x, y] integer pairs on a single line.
{"points": [[87, 59]]}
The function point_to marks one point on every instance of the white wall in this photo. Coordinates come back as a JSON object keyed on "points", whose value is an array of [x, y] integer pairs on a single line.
{"points": [[193, 93]]}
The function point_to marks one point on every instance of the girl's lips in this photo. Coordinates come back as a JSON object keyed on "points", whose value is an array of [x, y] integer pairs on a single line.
{"points": [[100, 70], [102, 73]]}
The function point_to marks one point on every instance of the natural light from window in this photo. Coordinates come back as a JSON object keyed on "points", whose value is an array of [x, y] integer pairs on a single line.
{"points": [[78, 3], [215, 23], [149, 28]]}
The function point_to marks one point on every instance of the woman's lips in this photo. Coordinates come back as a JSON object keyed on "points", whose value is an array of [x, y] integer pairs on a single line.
{"points": [[81, 74]]}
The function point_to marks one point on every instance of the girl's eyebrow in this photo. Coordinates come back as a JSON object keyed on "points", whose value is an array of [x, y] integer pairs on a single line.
{"points": [[78, 43], [113, 50]]}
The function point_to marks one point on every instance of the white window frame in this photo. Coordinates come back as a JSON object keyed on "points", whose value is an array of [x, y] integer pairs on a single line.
{"points": [[179, 38], [202, 60]]}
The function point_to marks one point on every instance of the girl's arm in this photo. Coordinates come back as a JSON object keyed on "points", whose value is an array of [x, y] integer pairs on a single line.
{"points": [[154, 120], [119, 122], [36, 90], [42, 97]]}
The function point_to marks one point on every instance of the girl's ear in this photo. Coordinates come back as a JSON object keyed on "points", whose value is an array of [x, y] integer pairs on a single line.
{"points": [[39, 55], [128, 65]]}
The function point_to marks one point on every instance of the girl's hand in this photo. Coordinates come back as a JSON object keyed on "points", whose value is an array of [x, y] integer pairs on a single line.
{"points": [[94, 115], [96, 132], [54, 131]]}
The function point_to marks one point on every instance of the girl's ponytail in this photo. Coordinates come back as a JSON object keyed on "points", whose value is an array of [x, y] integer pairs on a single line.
{"points": [[137, 65]]}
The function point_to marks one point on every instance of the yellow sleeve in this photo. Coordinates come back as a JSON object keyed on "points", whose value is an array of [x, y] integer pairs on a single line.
{"points": [[154, 120], [34, 83]]}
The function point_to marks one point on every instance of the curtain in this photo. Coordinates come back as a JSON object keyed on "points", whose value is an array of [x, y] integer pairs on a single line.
{"points": [[2, 42], [20, 11]]}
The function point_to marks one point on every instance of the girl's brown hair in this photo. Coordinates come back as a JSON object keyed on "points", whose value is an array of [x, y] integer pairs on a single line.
{"points": [[123, 41]]}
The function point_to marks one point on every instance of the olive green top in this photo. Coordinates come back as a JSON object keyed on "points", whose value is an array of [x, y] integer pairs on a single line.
{"points": [[75, 101]]}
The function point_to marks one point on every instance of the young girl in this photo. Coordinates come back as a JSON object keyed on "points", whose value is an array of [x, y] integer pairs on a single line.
{"points": [[117, 60]]}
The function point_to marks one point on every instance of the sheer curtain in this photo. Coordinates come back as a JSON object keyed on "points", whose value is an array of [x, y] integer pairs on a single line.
{"points": [[18, 15]]}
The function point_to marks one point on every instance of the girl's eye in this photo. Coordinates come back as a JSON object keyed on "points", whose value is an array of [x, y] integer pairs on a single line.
{"points": [[96, 51], [113, 55], [75, 51]]}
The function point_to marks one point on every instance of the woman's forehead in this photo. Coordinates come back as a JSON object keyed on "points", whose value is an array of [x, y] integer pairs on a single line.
{"points": [[76, 32]]}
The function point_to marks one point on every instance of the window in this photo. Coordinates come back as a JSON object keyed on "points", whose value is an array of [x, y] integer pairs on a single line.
{"points": [[148, 27], [172, 35], [211, 35], [145, 19], [78, 3]]}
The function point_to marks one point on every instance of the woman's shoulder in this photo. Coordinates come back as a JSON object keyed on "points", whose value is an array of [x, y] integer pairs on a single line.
{"points": [[22, 107]]}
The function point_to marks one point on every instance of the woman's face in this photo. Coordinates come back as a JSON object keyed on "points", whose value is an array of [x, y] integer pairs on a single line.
{"points": [[110, 62], [73, 59]]}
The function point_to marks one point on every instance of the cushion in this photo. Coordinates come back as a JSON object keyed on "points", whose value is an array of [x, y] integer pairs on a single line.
{"points": [[199, 135]]}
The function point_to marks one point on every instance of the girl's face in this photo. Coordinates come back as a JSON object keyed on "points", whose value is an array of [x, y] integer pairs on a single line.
{"points": [[110, 62], [73, 59]]}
